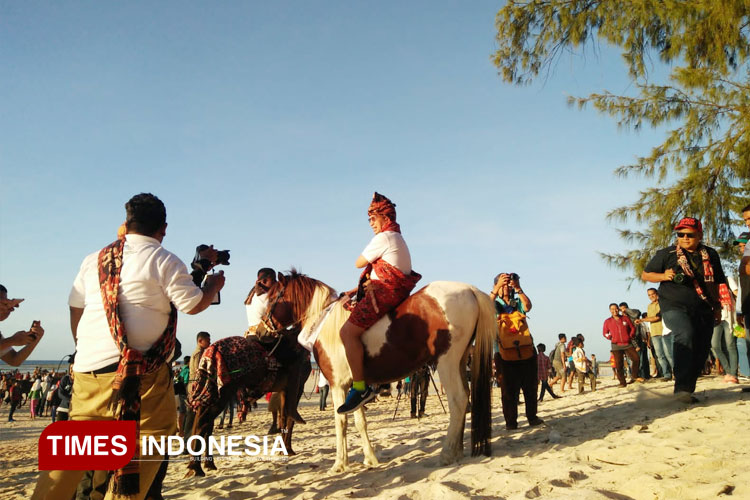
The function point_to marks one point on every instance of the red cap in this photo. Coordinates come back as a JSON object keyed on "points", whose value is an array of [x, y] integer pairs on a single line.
{"points": [[690, 223]]}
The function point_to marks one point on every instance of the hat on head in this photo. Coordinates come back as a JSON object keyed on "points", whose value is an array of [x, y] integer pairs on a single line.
{"points": [[689, 223], [381, 205], [742, 238]]}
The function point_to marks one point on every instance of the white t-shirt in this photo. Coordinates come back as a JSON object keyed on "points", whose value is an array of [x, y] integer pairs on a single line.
{"points": [[151, 278], [256, 309], [391, 247]]}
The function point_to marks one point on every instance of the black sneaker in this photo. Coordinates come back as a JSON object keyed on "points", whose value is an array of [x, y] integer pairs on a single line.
{"points": [[356, 399]]}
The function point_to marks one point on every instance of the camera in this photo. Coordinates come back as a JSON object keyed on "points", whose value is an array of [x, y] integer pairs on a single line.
{"points": [[203, 264], [513, 276], [678, 278]]}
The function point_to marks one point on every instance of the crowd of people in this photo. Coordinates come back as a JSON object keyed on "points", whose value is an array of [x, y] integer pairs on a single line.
{"points": [[46, 392], [127, 349]]}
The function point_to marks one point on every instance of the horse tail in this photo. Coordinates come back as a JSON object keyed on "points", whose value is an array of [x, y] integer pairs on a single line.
{"points": [[481, 375]]}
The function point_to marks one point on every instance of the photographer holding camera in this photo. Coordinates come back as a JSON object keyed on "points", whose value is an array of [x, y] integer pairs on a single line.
{"points": [[689, 274], [520, 373], [27, 339], [123, 315]]}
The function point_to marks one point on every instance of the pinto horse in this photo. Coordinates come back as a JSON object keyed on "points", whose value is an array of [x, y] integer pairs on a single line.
{"points": [[436, 324]]}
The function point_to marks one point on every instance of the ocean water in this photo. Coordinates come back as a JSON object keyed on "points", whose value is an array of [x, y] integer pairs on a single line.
{"points": [[30, 364]]}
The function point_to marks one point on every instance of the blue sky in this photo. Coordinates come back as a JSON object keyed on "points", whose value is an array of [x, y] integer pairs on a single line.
{"points": [[266, 126]]}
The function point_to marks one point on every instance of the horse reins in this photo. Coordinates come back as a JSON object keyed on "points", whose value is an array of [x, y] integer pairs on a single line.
{"points": [[267, 320]]}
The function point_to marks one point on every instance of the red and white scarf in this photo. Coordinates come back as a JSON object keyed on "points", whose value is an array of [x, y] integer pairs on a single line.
{"points": [[126, 398]]}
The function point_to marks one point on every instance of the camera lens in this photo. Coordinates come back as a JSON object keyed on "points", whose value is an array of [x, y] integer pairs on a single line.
{"points": [[678, 278]]}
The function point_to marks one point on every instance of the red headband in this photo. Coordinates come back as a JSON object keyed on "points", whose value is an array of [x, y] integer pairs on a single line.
{"points": [[381, 205]]}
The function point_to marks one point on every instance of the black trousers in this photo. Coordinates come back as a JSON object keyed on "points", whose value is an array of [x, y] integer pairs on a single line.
{"points": [[323, 396], [547, 388], [518, 376], [13, 407], [419, 386]]}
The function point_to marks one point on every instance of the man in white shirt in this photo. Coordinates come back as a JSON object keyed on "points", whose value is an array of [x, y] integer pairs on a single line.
{"points": [[256, 302], [390, 282], [139, 282]]}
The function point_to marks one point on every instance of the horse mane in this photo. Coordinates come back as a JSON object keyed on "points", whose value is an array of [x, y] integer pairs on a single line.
{"points": [[307, 296], [330, 341]]}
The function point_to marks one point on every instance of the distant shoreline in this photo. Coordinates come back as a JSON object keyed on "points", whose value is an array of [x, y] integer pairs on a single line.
{"points": [[30, 365]]}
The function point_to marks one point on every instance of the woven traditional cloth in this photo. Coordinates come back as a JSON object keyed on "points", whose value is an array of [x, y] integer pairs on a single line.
{"points": [[228, 360], [708, 270], [381, 205], [383, 294], [126, 398], [725, 297]]}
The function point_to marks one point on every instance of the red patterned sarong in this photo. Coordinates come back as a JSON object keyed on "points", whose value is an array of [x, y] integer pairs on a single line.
{"points": [[228, 360], [382, 295]]}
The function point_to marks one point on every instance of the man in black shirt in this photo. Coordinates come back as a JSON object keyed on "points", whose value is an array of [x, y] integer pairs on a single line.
{"points": [[689, 274]]}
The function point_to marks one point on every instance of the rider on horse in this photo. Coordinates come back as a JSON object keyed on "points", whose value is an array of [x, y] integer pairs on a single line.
{"points": [[387, 281], [256, 302]]}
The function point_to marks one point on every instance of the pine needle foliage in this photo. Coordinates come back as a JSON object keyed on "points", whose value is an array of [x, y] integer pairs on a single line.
{"points": [[702, 169]]}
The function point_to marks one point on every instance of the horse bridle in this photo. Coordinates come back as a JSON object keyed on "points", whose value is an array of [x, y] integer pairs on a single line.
{"points": [[268, 320]]}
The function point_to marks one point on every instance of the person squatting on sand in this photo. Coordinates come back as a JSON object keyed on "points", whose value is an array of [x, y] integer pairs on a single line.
{"points": [[387, 280], [689, 274], [123, 308], [620, 331], [519, 374]]}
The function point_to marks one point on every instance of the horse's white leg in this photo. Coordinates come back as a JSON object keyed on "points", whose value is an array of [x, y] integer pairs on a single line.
{"points": [[360, 421], [342, 456], [452, 373]]}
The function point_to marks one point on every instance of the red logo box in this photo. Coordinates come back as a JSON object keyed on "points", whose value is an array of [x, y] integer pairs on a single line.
{"points": [[90, 445]]}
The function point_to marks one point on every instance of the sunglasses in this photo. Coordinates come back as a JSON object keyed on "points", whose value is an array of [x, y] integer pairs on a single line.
{"points": [[687, 235]]}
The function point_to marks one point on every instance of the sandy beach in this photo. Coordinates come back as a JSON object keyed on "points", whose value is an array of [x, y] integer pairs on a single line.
{"points": [[614, 443]]}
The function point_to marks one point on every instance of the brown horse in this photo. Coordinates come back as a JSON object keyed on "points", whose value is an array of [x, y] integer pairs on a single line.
{"points": [[436, 324], [239, 365]]}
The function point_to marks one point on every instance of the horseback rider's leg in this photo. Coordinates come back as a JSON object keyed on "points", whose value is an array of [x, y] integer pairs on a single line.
{"points": [[351, 337], [355, 352]]}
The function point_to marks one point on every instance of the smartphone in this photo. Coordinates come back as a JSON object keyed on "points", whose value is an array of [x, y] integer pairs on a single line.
{"points": [[217, 297], [33, 324]]}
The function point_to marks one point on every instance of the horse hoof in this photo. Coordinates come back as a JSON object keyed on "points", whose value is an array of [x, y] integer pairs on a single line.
{"points": [[210, 465], [338, 467], [298, 418], [371, 462], [450, 458], [194, 473]]}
